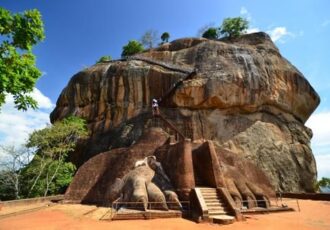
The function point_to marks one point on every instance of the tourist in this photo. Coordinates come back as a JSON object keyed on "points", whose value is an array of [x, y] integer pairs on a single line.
{"points": [[155, 107]]}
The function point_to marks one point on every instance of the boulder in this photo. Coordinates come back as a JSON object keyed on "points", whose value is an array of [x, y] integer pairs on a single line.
{"points": [[239, 93]]}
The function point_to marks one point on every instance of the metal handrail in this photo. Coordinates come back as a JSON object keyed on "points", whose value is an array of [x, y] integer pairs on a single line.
{"points": [[276, 202], [114, 206]]}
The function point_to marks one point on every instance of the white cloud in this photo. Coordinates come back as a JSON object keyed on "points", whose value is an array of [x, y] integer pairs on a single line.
{"points": [[279, 33], [319, 123], [245, 13], [43, 101], [323, 162], [325, 23], [16, 125], [243, 10], [252, 30]]}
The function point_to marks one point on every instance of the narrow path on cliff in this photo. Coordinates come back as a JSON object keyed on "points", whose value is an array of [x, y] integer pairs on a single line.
{"points": [[167, 65], [189, 71]]}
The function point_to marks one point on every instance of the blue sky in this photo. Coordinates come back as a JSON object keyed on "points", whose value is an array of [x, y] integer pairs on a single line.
{"points": [[78, 32]]}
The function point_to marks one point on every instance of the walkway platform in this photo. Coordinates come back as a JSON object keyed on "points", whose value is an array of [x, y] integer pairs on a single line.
{"points": [[260, 210], [131, 214]]}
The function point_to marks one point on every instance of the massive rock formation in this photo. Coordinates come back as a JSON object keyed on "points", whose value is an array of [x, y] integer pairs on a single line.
{"points": [[241, 94], [121, 175]]}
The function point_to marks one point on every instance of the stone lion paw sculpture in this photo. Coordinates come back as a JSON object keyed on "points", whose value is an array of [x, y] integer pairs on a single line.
{"points": [[148, 186], [244, 193]]}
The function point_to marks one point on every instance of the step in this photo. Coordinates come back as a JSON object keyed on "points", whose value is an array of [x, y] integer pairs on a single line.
{"points": [[213, 209], [208, 189], [215, 203], [212, 197], [211, 201], [222, 219], [217, 212], [215, 206], [209, 193]]}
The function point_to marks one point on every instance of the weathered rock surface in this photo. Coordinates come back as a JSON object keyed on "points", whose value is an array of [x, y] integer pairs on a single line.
{"points": [[121, 175], [243, 95], [101, 179]]}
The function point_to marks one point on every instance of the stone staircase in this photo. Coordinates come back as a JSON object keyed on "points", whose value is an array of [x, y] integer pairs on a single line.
{"points": [[217, 209]]}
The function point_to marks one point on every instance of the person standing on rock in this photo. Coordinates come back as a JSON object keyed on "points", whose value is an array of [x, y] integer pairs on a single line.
{"points": [[155, 107]]}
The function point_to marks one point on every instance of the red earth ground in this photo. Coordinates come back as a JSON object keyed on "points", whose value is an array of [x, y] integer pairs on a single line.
{"points": [[313, 215]]}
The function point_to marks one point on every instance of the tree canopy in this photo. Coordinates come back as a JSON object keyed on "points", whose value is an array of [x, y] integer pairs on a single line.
{"points": [[104, 59], [165, 37], [49, 172], [13, 160], [131, 48], [59, 138], [211, 33], [324, 182], [233, 27], [19, 32], [149, 39]]}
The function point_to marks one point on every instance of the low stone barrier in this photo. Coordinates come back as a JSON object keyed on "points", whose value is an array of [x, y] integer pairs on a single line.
{"points": [[306, 196], [11, 203]]}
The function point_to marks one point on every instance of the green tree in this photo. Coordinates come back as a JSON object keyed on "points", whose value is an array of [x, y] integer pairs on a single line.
{"points": [[104, 59], [18, 72], [50, 172], [211, 33], [204, 28], [324, 182], [12, 161], [165, 37], [233, 27], [149, 39], [131, 48]]}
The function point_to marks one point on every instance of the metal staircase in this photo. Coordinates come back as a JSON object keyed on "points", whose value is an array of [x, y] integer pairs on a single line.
{"points": [[171, 126]]}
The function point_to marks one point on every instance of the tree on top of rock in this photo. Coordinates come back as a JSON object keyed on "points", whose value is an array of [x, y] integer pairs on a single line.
{"points": [[233, 27], [18, 71], [149, 39], [133, 47], [104, 59], [165, 36], [211, 33]]}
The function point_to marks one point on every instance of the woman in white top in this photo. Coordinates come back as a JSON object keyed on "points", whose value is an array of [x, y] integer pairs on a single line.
{"points": [[155, 109]]}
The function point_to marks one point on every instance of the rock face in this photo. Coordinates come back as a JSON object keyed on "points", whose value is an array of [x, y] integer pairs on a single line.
{"points": [[121, 175], [241, 94], [99, 181]]}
